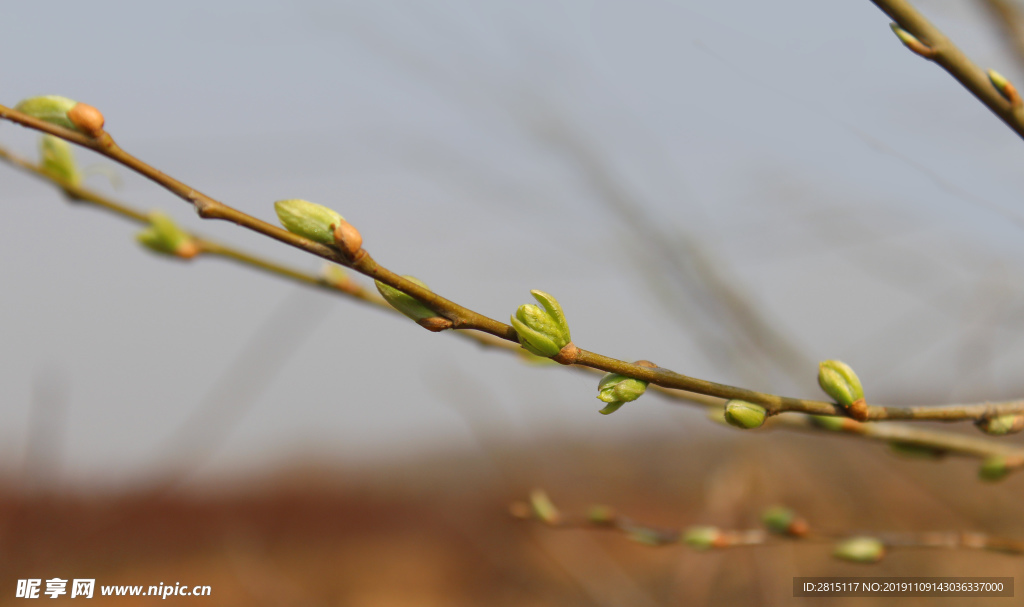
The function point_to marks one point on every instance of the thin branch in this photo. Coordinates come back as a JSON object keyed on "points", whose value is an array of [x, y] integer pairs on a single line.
{"points": [[936, 440], [464, 318], [926, 40]]}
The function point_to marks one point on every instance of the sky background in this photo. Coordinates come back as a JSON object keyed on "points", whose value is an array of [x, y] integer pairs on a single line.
{"points": [[646, 163]]}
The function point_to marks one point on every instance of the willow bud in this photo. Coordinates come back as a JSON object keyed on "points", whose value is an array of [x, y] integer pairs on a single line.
{"points": [[860, 550], [1004, 86], [543, 508], [744, 415], [993, 468], [313, 221], [49, 108], [702, 537], [617, 390], [403, 302], [839, 381], [58, 160], [543, 332], [1001, 424], [783, 521], [165, 237]]}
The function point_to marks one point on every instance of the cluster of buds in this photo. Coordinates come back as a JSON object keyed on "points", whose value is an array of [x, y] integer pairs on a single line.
{"points": [[64, 112], [543, 330], [839, 381], [165, 237]]}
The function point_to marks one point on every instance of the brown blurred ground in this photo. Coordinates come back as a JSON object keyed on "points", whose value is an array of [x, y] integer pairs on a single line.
{"points": [[435, 530]]}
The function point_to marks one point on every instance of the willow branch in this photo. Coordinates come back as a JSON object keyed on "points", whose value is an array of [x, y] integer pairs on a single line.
{"points": [[933, 45], [464, 318], [602, 518]]}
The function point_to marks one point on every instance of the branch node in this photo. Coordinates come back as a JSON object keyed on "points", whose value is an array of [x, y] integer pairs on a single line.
{"points": [[568, 355]]}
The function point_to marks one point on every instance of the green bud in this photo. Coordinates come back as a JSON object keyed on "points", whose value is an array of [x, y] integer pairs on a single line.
{"points": [[405, 303], [51, 108], [601, 515], [616, 390], [778, 519], [165, 237], [543, 508], [702, 537], [993, 468], [1001, 424], [744, 415], [309, 220], [58, 160], [860, 550], [830, 422], [543, 332], [905, 37], [839, 381], [912, 450]]}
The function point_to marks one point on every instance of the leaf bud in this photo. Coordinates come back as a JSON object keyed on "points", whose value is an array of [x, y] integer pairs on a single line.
{"points": [[1001, 424], [1005, 87], [543, 508], [58, 160], [839, 381], [49, 108], [542, 331], [405, 303], [702, 537], [87, 119], [616, 390], [309, 220], [601, 515], [860, 550], [744, 415], [993, 468], [165, 237], [783, 521]]}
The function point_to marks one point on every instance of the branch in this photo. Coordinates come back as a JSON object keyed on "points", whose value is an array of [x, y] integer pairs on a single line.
{"points": [[936, 441], [464, 318], [924, 39], [781, 525]]}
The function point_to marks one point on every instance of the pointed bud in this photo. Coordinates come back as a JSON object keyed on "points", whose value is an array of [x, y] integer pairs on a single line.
{"points": [[744, 415], [403, 302], [911, 42], [309, 220], [87, 119], [1001, 424], [601, 515], [993, 468], [860, 550], [783, 521], [543, 332], [543, 508], [702, 537], [1005, 88], [617, 390], [839, 381], [164, 236], [59, 161], [49, 108], [831, 422], [912, 450]]}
